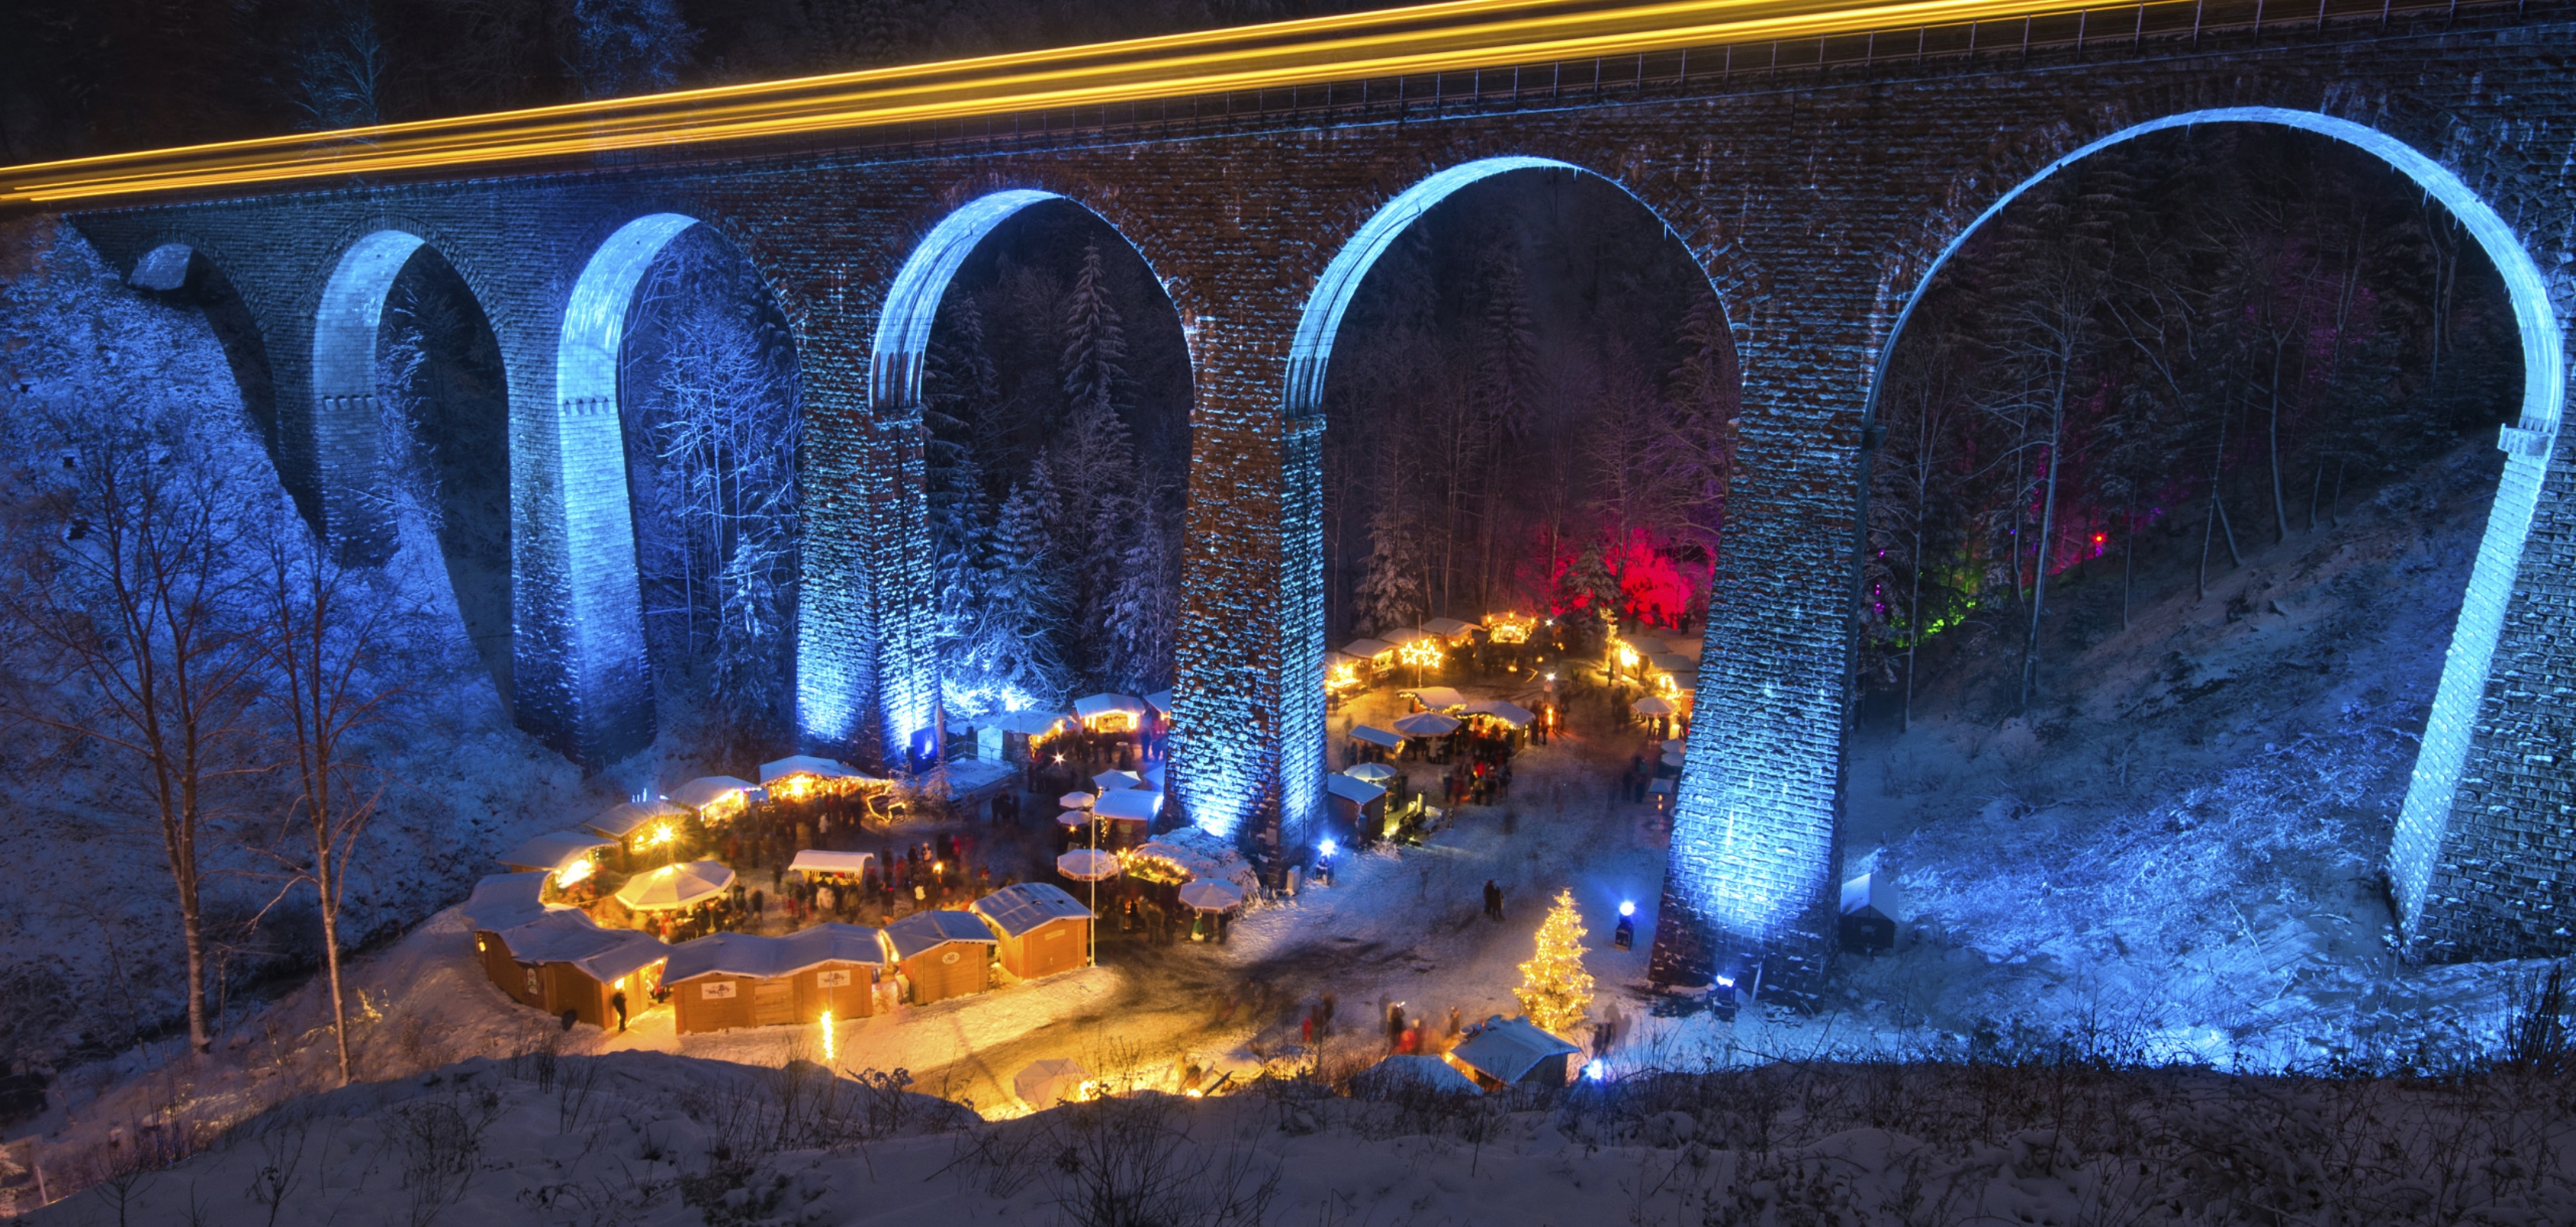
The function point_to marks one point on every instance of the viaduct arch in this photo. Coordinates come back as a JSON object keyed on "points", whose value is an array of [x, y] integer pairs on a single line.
{"points": [[1819, 200]]}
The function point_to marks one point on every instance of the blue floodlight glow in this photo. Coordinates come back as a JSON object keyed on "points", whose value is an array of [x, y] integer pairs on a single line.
{"points": [[604, 598], [2421, 827], [1594, 1070], [1328, 848], [1627, 908], [912, 303]]}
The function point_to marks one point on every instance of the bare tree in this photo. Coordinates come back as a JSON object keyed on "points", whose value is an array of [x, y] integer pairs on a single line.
{"points": [[124, 591], [326, 633]]}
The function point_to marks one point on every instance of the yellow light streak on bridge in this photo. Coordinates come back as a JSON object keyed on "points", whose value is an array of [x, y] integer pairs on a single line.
{"points": [[1461, 35]]}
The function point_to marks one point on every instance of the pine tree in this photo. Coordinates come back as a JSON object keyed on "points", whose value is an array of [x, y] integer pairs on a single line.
{"points": [[1095, 345], [1555, 991], [1391, 592], [1015, 652]]}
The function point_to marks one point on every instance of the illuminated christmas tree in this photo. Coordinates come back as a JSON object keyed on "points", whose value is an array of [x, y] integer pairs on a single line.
{"points": [[1555, 991]]}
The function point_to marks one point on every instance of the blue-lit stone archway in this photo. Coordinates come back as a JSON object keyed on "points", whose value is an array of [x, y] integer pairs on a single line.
{"points": [[348, 451], [2425, 821], [1310, 352], [832, 682], [607, 662]]}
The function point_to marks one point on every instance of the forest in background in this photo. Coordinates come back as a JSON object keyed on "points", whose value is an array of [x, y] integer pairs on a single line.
{"points": [[1056, 397], [1529, 406], [82, 77], [2161, 355]]}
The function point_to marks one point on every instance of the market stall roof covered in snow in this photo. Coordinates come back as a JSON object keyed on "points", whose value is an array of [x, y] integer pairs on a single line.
{"points": [[1131, 804], [807, 764], [1093, 706], [768, 958], [930, 930], [708, 791], [1504, 710], [821, 860], [506, 901], [1112, 781], [1509, 1050], [1403, 636], [1427, 724], [1673, 662], [1368, 649], [1437, 698], [1377, 736], [553, 850], [570, 936], [1449, 628], [1160, 701], [620, 821], [1356, 791], [1018, 909], [1203, 856], [1399, 1074], [1024, 723], [1374, 773], [1644, 645]]}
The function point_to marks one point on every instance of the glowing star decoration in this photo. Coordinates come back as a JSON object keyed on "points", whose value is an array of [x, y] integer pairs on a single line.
{"points": [[1555, 991], [1421, 653], [1342, 677]]}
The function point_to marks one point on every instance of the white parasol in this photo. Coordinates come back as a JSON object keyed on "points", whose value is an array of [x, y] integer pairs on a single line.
{"points": [[675, 886], [1374, 773], [1108, 780], [1211, 896], [1086, 865], [1427, 724], [1675, 745], [1653, 706], [1075, 800], [1071, 819]]}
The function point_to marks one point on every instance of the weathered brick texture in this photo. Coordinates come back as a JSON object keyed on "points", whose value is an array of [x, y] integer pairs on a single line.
{"points": [[1817, 205]]}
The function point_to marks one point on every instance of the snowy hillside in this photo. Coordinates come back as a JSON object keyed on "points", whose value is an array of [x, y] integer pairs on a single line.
{"points": [[648, 1139], [89, 936], [2179, 851]]}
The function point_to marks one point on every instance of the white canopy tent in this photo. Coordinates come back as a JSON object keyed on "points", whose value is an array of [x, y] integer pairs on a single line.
{"points": [[1129, 804], [1436, 698], [675, 886], [818, 860], [1427, 724]]}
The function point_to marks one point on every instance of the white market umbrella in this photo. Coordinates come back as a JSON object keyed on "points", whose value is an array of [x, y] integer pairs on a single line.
{"points": [[1427, 724], [1675, 745], [1374, 773], [1075, 800], [1050, 1082], [675, 886], [1673, 760], [1087, 865], [1109, 780], [1211, 895], [1652, 705], [1071, 819]]}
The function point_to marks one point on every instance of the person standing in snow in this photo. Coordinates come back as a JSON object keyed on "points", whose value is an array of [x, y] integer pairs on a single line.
{"points": [[618, 999]]}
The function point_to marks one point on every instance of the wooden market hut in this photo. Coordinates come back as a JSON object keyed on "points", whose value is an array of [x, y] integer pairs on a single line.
{"points": [[1111, 713], [1130, 813], [1042, 929], [1452, 632], [1869, 913], [1435, 698], [570, 855], [941, 954], [1377, 655], [714, 798], [1510, 1051], [632, 824], [563, 963], [727, 980], [800, 776], [1358, 805], [1016, 737]]}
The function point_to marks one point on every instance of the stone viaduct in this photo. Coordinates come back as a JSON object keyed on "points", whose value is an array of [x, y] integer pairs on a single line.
{"points": [[1819, 184]]}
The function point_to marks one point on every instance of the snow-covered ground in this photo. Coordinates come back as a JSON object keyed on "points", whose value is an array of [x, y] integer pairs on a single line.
{"points": [[647, 1139]]}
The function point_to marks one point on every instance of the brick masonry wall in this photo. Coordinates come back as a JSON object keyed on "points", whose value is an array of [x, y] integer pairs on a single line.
{"points": [[1816, 207]]}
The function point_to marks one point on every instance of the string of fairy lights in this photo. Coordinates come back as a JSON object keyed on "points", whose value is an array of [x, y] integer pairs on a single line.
{"points": [[1455, 36]]}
